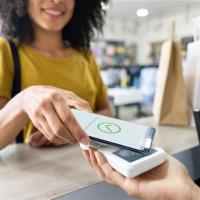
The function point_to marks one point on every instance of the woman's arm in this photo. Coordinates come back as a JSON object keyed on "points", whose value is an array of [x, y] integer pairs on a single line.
{"points": [[12, 120], [49, 110]]}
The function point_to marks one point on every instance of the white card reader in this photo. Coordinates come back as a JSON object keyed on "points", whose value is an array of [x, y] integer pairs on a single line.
{"points": [[127, 162], [126, 146]]}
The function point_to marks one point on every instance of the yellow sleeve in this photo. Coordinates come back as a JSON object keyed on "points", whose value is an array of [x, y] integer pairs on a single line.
{"points": [[101, 88], [6, 69]]}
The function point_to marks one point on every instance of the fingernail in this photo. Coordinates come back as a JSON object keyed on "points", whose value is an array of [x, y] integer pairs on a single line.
{"points": [[85, 140]]}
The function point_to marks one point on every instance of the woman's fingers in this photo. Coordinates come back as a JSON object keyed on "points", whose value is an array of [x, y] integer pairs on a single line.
{"points": [[98, 169], [54, 126], [36, 139], [112, 175], [106, 168], [48, 131], [103, 169], [76, 101], [87, 156], [69, 121], [95, 164]]}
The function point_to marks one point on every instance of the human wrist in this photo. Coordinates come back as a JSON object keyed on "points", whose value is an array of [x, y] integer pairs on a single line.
{"points": [[186, 189], [20, 104], [13, 118]]}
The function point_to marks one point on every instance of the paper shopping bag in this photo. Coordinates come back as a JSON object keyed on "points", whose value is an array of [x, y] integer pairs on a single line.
{"points": [[192, 78], [170, 103]]}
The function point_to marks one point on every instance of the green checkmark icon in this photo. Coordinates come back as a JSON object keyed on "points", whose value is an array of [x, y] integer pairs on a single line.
{"points": [[108, 127]]}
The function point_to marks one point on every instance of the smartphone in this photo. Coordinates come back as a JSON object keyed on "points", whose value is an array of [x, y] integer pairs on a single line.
{"points": [[115, 132]]}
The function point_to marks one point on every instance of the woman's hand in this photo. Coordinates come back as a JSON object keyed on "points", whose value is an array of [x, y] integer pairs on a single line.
{"points": [[37, 140], [49, 110], [168, 181]]}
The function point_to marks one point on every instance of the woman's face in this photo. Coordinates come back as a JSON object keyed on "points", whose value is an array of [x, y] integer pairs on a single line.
{"points": [[51, 15]]}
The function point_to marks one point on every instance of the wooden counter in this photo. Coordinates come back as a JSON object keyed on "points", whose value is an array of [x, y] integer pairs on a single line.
{"points": [[27, 173]]}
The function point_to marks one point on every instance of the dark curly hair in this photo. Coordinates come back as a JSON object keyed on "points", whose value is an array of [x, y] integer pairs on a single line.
{"points": [[87, 18]]}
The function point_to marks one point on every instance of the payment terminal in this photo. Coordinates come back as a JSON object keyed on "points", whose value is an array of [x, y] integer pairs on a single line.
{"points": [[126, 145]]}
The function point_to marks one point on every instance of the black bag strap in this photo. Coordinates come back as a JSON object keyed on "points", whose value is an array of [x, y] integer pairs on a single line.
{"points": [[16, 87]]}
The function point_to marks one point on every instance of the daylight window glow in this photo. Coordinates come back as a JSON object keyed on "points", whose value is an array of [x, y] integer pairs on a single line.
{"points": [[142, 12]]}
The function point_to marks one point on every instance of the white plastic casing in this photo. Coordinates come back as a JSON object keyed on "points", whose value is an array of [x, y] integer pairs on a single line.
{"points": [[135, 168]]}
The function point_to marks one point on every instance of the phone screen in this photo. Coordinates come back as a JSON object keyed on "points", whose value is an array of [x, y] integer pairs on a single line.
{"points": [[114, 131]]}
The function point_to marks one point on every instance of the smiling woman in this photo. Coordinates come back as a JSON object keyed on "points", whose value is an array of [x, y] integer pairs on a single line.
{"points": [[87, 16], [58, 70], [52, 17]]}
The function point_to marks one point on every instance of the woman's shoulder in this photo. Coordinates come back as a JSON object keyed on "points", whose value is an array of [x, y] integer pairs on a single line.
{"points": [[5, 54], [5, 48], [90, 60], [4, 44], [86, 55]]}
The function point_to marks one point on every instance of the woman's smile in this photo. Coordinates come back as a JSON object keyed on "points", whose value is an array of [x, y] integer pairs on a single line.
{"points": [[53, 12], [50, 15]]}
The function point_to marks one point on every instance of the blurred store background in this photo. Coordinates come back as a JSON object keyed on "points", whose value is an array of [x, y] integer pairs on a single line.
{"points": [[128, 51]]}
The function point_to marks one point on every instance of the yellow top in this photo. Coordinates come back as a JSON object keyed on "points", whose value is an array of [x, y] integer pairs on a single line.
{"points": [[78, 73]]}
